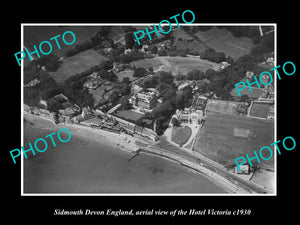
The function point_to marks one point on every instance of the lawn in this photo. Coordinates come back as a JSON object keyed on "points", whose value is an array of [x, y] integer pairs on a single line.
{"points": [[146, 63], [185, 64], [224, 138], [223, 41], [260, 110], [180, 135], [34, 35], [99, 94], [77, 64], [126, 73], [176, 64], [129, 115], [227, 107]]}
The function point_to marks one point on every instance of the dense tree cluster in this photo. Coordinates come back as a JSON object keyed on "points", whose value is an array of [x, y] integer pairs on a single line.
{"points": [[50, 62], [140, 72], [44, 90], [211, 55], [172, 99]]}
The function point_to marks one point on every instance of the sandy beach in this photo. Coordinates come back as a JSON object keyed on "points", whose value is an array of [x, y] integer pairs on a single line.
{"points": [[96, 161]]}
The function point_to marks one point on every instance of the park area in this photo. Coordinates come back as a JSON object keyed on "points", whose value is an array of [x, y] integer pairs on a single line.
{"points": [[180, 135], [129, 115], [223, 41], [260, 109], [176, 64], [77, 64], [224, 138]]}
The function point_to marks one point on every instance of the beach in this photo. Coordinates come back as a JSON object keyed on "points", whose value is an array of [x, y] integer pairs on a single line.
{"points": [[96, 161]]}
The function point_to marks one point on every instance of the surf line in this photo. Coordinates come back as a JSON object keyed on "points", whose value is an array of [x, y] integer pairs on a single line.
{"points": [[13, 156]]}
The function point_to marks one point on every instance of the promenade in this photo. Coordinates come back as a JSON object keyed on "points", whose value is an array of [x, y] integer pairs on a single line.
{"points": [[185, 157]]}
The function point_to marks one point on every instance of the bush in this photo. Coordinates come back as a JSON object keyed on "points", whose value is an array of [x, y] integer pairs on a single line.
{"points": [[140, 72], [211, 55], [79, 48]]}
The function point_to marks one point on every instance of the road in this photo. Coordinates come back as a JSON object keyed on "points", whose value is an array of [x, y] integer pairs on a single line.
{"points": [[203, 164]]}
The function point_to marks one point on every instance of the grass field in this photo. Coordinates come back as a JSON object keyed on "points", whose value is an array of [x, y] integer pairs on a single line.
{"points": [[99, 94], [180, 135], [77, 64], [227, 107], [34, 35], [146, 63], [126, 73], [224, 138], [223, 41], [129, 115], [260, 110], [176, 64]]}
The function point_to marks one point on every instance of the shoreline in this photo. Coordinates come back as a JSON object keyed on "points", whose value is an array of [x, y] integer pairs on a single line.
{"points": [[127, 144]]}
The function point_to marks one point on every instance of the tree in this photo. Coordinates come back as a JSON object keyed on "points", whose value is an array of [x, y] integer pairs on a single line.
{"points": [[166, 77], [211, 55], [53, 105], [105, 75], [175, 122], [149, 82], [50, 62], [140, 72], [125, 89], [153, 49], [162, 52], [244, 98], [129, 40], [126, 80], [195, 75], [210, 74], [114, 97], [125, 104], [180, 76]]}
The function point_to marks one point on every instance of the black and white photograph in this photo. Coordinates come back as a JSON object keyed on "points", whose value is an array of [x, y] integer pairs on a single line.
{"points": [[170, 115], [137, 112]]}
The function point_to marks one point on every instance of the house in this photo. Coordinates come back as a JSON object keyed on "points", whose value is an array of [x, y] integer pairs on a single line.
{"points": [[249, 74], [32, 83], [223, 65], [144, 100], [136, 89], [118, 67], [127, 51], [265, 79], [199, 102], [189, 115], [66, 112], [145, 48], [44, 103], [244, 169], [270, 61]]}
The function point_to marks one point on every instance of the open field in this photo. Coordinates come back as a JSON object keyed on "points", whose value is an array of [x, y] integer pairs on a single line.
{"points": [[223, 41], [146, 63], [176, 64], [227, 107], [129, 115], [224, 138], [193, 46], [126, 73], [101, 93], [259, 109], [34, 35], [77, 64], [180, 135]]}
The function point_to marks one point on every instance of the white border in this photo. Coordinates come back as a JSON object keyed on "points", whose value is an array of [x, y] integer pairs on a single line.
{"points": [[146, 24]]}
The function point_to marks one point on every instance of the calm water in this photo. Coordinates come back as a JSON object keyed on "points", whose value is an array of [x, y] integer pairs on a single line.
{"points": [[84, 165]]}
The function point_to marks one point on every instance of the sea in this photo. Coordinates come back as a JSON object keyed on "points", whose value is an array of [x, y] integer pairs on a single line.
{"points": [[96, 166]]}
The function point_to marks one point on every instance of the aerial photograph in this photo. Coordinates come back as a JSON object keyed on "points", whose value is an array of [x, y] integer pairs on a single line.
{"points": [[161, 115]]}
